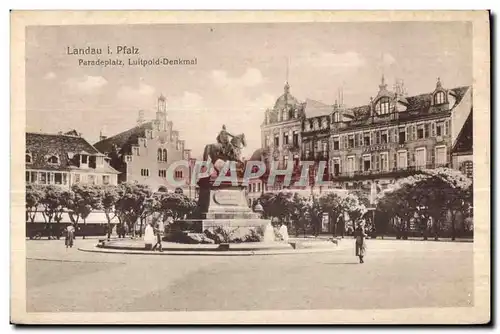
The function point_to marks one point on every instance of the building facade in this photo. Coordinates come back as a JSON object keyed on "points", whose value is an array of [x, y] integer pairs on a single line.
{"points": [[64, 160], [145, 152], [395, 135]]}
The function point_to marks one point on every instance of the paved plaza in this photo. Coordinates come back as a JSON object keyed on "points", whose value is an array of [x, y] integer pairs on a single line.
{"points": [[396, 274]]}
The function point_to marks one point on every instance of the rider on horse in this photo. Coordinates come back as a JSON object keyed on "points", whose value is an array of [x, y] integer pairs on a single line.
{"points": [[223, 140]]}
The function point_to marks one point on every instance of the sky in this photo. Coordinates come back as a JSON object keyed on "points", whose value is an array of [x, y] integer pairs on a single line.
{"points": [[241, 70]]}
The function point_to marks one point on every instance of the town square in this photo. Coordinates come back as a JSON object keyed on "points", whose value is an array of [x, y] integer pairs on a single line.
{"points": [[309, 166]]}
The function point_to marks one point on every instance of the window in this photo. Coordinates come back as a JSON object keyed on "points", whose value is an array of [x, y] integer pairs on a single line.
{"points": [[164, 155], [295, 138], [439, 98], [440, 155], [420, 132], [402, 159], [420, 157], [384, 161], [28, 158], [439, 129], [402, 136], [105, 179], [366, 163], [162, 173], [27, 177], [285, 161], [336, 167], [34, 177], [382, 106], [285, 138], [467, 168], [91, 179], [144, 172], [135, 150], [350, 164], [159, 155], [377, 137], [77, 178], [384, 137], [350, 141], [336, 117], [178, 174], [316, 124], [276, 140], [366, 139], [336, 143], [325, 148], [258, 187], [58, 178], [53, 160], [85, 159], [324, 123], [128, 158], [43, 178]]}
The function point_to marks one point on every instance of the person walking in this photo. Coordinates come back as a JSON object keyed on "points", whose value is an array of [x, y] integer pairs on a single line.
{"points": [[360, 235], [70, 236], [159, 235]]}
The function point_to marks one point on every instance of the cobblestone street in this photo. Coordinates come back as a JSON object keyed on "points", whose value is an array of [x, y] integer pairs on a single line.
{"points": [[397, 274]]}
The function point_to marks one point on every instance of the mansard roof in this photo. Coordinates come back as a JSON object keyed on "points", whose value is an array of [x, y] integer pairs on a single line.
{"points": [[315, 108]]}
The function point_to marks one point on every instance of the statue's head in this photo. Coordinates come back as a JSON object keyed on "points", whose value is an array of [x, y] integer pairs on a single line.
{"points": [[223, 127]]}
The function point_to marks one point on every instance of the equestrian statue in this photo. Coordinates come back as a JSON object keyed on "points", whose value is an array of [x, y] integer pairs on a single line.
{"points": [[225, 149]]}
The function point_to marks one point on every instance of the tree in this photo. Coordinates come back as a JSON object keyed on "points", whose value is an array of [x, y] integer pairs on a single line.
{"points": [[178, 204], [430, 194], [34, 195], [83, 199], [331, 203], [132, 204], [53, 203], [109, 197], [353, 207]]}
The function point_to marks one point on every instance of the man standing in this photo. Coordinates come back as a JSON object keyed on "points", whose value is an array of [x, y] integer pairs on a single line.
{"points": [[159, 235]]}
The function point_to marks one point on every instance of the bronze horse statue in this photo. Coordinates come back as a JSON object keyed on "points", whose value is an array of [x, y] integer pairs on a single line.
{"points": [[230, 153]]}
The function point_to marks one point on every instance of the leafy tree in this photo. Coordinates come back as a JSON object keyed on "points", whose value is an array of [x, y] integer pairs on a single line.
{"points": [[134, 203], [180, 205], [431, 194], [34, 195], [53, 203], [83, 199]]}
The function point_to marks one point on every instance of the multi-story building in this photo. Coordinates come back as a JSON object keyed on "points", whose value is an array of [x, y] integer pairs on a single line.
{"points": [[65, 159], [462, 149], [395, 135], [145, 152]]}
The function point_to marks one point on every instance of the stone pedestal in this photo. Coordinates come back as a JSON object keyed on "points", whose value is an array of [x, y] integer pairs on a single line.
{"points": [[226, 206]]}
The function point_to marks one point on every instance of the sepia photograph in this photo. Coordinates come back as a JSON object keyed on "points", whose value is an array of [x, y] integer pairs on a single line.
{"points": [[181, 164]]}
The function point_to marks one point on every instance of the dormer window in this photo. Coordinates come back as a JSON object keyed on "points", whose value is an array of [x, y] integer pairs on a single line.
{"points": [[85, 159], [53, 160], [383, 106], [325, 123], [28, 158], [439, 98], [336, 117]]}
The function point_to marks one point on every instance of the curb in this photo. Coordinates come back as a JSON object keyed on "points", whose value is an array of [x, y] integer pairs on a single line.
{"points": [[96, 249]]}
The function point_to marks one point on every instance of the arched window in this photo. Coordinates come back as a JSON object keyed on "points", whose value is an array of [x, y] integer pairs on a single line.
{"points": [[164, 155], [439, 98], [28, 158], [159, 155], [383, 106], [53, 160]]}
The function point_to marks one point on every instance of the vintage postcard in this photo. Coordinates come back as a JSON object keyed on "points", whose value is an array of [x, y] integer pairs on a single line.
{"points": [[250, 167]]}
